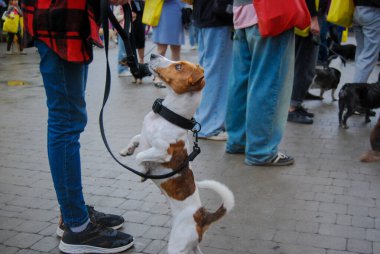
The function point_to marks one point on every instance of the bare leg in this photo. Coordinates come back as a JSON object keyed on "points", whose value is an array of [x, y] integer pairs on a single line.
{"points": [[176, 52], [161, 49]]}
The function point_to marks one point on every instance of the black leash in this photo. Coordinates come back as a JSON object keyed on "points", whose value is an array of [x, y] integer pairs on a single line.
{"points": [[317, 41], [106, 14]]}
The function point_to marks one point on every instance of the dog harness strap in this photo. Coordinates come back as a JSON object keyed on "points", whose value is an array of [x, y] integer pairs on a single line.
{"points": [[173, 117]]}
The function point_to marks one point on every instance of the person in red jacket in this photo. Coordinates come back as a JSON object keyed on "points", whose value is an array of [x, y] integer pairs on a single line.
{"points": [[64, 32]]}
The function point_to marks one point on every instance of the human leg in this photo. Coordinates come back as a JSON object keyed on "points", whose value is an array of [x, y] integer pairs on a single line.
{"points": [[367, 34], [237, 91], [217, 49], [306, 53], [176, 52], [269, 90], [10, 41], [65, 86], [121, 69]]}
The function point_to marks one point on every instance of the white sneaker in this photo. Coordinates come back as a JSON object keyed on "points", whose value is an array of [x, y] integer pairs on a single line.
{"points": [[126, 73], [193, 47], [221, 136], [8, 52]]}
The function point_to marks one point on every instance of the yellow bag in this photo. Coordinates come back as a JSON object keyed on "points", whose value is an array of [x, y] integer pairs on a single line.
{"points": [[11, 24], [341, 12], [152, 12], [345, 35]]}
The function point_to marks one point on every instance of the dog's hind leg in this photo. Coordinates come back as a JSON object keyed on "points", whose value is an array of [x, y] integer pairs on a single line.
{"points": [[333, 98], [197, 250], [130, 148], [350, 112], [321, 93], [367, 114]]}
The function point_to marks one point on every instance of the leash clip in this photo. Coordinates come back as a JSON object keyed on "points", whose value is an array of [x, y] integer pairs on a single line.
{"points": [[196, 148]]}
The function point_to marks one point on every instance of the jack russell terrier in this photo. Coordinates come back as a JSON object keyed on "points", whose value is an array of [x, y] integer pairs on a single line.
{"points": [[163, 147]]}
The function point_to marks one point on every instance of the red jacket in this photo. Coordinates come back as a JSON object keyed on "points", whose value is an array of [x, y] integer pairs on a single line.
{"points": [[68, 27]]}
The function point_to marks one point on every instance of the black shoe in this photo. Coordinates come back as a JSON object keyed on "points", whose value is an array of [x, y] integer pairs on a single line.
{"points": [[95, 239], [303, 111], [297, 117], [98, 218], [310, 96]]}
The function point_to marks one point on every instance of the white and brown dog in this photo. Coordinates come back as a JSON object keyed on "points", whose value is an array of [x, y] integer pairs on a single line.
{"points": [[163, 147]]}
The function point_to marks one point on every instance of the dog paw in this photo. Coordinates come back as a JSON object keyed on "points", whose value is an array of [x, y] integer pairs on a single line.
{"points": [[127, 152]]}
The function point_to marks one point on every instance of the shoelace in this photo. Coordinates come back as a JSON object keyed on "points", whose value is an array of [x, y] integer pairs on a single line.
{"points": [[279, 157]]}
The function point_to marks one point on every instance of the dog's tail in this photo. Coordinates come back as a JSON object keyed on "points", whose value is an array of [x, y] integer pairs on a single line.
{"points": [[222, 190]]}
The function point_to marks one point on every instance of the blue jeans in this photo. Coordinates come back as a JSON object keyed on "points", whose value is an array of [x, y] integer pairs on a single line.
{"points": [[65, 85], [259, 93], [367, 34], [215, 56], [193, 35], [121, 54]]}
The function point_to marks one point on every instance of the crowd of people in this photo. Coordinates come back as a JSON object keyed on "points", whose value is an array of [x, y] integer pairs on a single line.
{"points": [[254, 84]]}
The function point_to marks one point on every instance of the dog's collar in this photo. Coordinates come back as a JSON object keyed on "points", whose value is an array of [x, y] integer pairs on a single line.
{"points": [[174, 118], [181, 122]]}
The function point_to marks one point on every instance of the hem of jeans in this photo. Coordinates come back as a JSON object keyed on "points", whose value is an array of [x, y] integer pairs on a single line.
{"points": [[251, 163], [76, 223], [295, 104], [235, 149]]}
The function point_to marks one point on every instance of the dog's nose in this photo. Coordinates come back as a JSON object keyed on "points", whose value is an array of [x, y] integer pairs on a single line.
{"points": [[153, 56]]}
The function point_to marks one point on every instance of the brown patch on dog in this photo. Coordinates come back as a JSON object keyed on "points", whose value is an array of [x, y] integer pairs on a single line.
{"points": [[203, 218], [182, 186], [183, 77]]}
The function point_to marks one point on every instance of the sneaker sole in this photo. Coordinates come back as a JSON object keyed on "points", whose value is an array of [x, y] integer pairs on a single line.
{"points": [[75, 249], [60, 231], [287, 163]]}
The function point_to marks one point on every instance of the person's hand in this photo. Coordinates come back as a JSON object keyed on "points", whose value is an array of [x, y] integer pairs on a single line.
{"points": [[119, 2], [314, 26]]}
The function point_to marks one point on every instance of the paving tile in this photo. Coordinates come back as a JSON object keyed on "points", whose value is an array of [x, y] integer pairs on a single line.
{"points": [[23, 240]]}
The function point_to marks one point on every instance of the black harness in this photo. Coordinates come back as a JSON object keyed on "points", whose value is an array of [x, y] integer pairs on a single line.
{"points": [[139, 71]]}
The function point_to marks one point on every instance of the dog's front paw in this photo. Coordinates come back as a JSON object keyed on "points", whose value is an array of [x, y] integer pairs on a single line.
{"points": [[127, 151]]}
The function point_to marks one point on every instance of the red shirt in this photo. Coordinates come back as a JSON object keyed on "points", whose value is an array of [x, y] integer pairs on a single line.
{"points": [[68, 27]]}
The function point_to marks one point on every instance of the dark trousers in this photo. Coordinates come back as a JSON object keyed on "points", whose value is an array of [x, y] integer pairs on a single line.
{"points": [[11, 38], [306, 53]]}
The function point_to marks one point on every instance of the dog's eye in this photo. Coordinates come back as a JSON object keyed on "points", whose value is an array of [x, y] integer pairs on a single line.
{"points": [[178, 67]]}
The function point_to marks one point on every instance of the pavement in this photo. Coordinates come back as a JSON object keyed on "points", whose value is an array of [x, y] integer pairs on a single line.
{"points": [[326, 203]]}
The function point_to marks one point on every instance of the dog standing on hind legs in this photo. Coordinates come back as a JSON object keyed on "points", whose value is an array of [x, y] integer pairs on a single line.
{"points": [[163, 147]]}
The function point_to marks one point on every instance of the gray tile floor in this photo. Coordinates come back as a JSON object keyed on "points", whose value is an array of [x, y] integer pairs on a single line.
{"points": [[327, 203]]}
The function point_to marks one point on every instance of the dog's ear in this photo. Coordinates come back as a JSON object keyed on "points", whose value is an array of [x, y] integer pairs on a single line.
{"points": [[197, 77]]}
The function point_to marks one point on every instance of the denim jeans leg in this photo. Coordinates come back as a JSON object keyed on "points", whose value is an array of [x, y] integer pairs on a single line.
{"points": [[65, 85], [367, 34], [237, 94], [215, 54], [121, 54], [269, 90]]}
